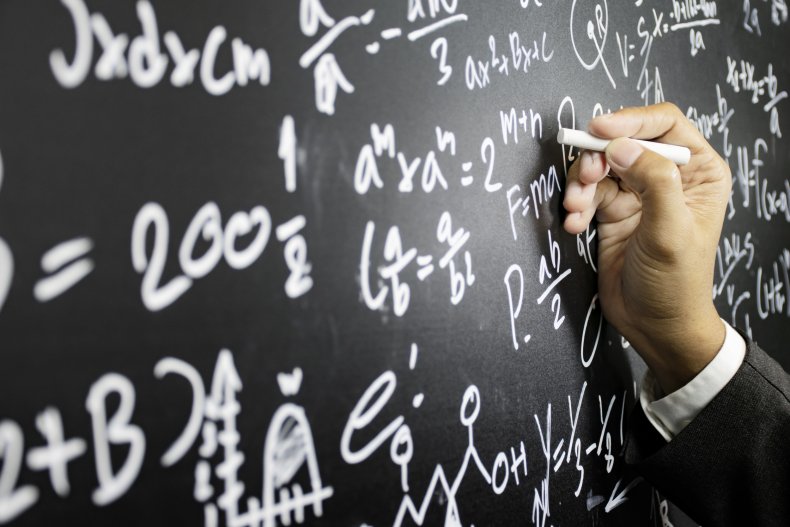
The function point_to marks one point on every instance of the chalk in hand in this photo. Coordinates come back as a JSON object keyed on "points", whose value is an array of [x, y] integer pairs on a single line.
{"points": [[680, 155]]}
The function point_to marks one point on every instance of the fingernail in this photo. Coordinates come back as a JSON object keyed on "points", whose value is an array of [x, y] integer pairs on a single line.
{"points": [[602, 116], [623, 152]]}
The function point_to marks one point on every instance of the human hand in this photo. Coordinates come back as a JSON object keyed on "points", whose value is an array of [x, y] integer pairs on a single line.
{"points": [[658, 229]]}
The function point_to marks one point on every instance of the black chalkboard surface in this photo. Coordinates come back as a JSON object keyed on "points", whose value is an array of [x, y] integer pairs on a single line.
{"points": [[273, 263]]}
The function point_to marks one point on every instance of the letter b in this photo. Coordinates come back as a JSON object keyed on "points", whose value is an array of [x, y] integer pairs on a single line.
{"points": [[116, 431]]}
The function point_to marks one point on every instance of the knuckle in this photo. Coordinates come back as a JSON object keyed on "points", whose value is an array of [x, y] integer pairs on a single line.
{"points": [[656, 171], [666, 248], [663, 248], [673, 173], [670, 107]]}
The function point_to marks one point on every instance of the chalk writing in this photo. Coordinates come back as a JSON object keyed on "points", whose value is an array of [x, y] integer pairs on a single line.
{"points": [[143, 60], [363, 203]]}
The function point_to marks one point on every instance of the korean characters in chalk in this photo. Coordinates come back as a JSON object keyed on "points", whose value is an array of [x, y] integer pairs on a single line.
{"points": [[293, 490], [292, 485]]}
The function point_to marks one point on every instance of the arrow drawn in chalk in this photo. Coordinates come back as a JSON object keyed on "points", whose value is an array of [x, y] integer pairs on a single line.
{"points": [[617, 500]]}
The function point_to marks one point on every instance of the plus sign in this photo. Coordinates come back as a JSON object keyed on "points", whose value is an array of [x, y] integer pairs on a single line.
{"points": [[57, 453]]}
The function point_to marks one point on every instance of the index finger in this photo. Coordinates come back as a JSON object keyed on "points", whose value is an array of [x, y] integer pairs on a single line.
{"points": [[663, 122]]}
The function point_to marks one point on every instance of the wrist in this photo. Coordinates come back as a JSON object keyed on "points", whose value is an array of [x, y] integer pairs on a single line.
{"points": [[677, 355]]}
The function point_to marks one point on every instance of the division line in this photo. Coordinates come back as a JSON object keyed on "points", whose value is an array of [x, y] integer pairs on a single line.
{"points": [[773, 102], [553, 284], [695, 23], [419, 33], [453, 250], [330, 36]]}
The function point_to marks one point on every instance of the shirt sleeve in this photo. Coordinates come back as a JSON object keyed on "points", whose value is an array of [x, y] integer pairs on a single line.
{"points": [[669, 414]]}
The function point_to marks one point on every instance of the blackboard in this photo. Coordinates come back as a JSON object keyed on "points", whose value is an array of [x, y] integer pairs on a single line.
{"points": [[270, 263]]}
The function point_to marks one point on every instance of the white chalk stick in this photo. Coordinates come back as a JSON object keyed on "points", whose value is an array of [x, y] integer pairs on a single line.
{"points": [[680, 155]]}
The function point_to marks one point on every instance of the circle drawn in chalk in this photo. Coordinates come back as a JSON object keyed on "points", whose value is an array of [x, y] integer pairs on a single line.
{"points": [[602, 18], [471, 398]]}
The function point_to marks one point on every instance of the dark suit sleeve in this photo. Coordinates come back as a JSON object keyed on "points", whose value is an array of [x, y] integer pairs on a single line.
{"points": [[731, 464]]}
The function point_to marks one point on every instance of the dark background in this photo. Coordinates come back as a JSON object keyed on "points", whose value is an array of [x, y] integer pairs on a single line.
{"points": [[82, 162]]}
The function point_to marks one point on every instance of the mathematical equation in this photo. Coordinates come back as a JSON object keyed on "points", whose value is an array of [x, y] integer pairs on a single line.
{"points": [[293, 485], [406, 188]]}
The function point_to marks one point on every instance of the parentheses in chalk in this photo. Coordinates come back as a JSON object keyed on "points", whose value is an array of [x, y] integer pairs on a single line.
{"points": [[6, 258]]}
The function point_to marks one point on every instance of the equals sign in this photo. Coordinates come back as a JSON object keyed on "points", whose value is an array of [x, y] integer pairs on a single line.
{"points": [[66, 265]]}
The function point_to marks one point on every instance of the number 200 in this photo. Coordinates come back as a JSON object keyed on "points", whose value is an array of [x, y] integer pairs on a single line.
{"points": [[207, 222]]}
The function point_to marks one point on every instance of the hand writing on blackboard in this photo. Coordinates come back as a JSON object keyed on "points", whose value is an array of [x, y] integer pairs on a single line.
{"points": [[658, 228]]}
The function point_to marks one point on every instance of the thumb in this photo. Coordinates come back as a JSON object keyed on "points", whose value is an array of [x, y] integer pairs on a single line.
{"points": [[657, 181]]}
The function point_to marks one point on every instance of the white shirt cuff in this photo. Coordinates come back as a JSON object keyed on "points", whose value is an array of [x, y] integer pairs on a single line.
{"points": [[670, 414]]}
